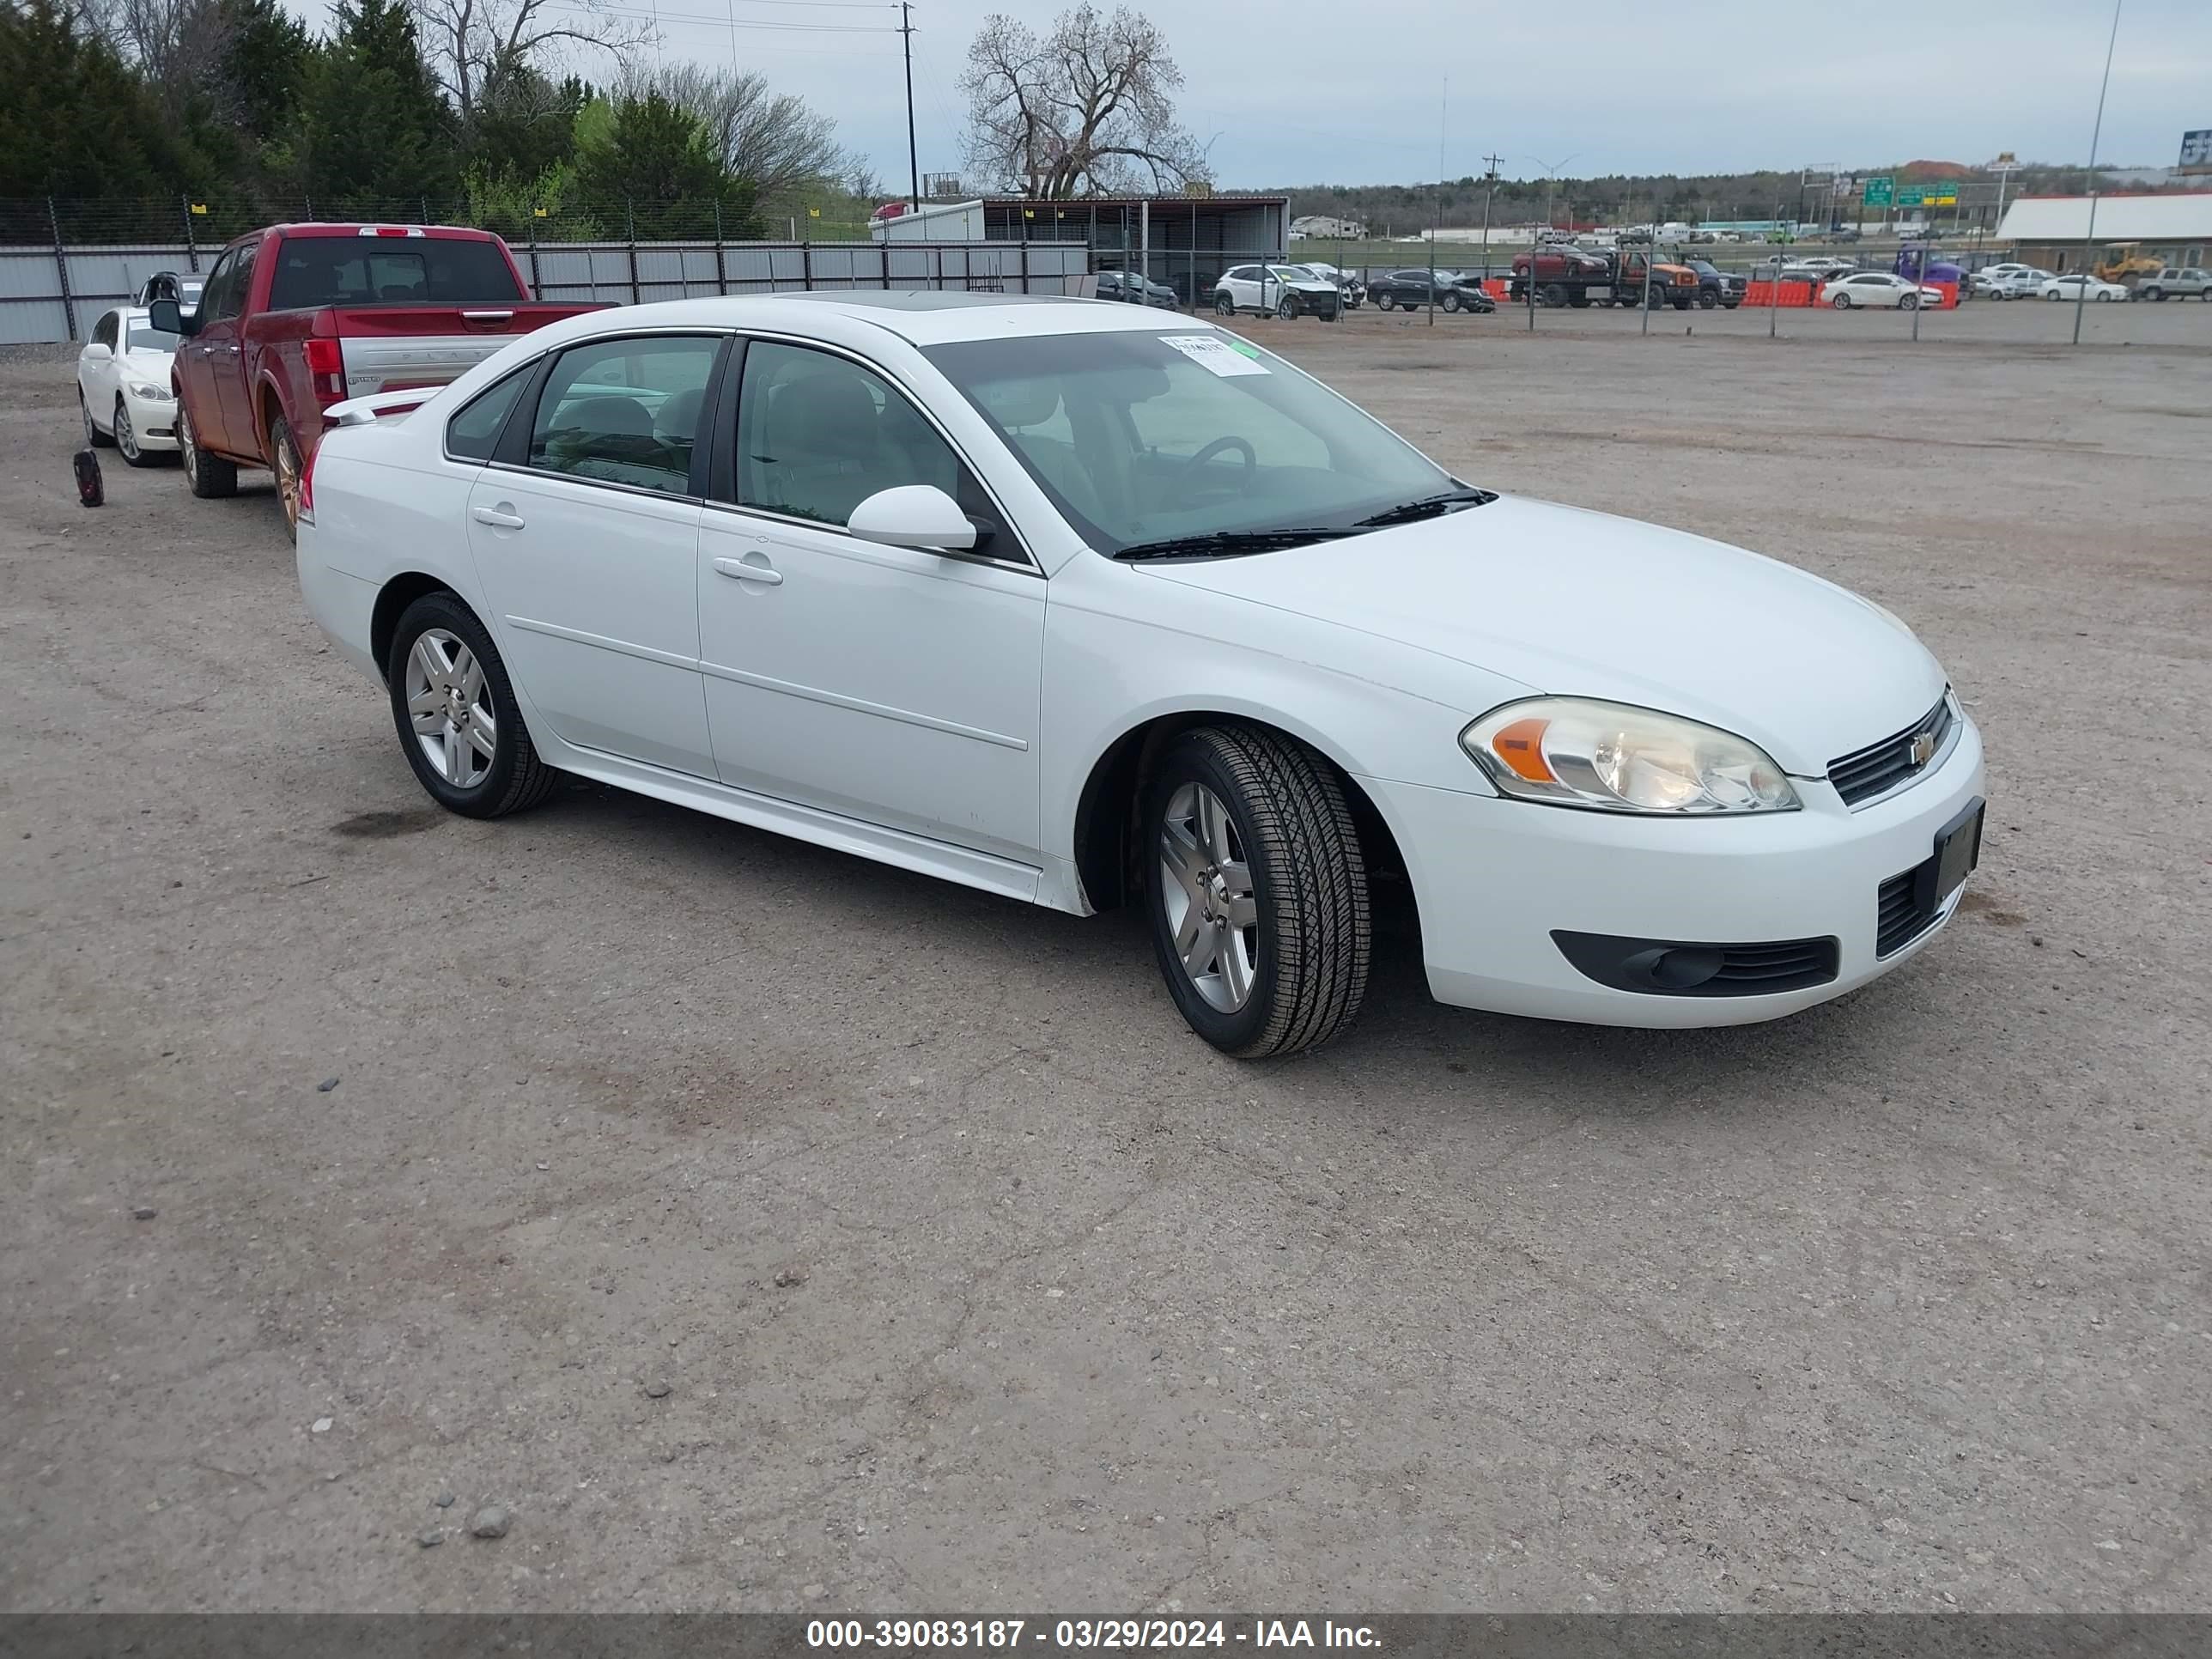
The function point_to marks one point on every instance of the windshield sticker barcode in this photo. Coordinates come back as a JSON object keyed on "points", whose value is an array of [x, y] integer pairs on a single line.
{"points": [[1212, 351]]}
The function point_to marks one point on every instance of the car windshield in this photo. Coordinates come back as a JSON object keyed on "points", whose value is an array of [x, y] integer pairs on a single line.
{"points": [[1140, 437], [1294, 274], [144, 337]]}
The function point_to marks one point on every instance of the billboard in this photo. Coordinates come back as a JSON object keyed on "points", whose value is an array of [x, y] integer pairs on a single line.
{"points": [[2196, 151]]}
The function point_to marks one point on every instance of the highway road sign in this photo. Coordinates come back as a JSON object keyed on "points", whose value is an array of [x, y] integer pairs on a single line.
{"points": [[1880, 192]]}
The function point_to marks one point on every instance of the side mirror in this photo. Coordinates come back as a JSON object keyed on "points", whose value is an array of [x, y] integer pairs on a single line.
{"points": [[94, 352], [169, 317], [914, 516]]}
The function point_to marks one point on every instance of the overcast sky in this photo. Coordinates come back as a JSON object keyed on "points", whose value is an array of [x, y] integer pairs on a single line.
{"points": [[1351, 91]]}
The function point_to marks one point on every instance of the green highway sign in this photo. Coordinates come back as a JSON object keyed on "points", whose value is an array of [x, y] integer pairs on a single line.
{"points": [[1911, 196], [1880, 192], [1944, 192]]}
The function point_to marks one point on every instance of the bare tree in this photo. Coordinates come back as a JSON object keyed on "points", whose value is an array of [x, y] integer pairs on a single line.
{"points": [[786, 151], [466, 42], [182, 46], [1086, 108]]}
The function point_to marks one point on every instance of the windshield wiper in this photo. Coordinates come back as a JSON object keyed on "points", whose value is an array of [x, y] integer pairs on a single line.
{"points": [[1230, 542], [1428, 507]]}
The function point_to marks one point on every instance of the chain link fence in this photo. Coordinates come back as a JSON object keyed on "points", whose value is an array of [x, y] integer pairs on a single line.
{"points": [[62, 263]]}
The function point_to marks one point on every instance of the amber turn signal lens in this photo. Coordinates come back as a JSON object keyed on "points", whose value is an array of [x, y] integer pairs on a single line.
{"points": [[1521, 746]]}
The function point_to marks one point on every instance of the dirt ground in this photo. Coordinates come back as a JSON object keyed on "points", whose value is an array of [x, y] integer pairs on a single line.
{"points": [[766, 1229]]}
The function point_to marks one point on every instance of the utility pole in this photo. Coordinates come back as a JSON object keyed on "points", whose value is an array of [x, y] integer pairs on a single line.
{"points": [[1489, 189], [1437, 213], [2096, 136], [913, 161]]}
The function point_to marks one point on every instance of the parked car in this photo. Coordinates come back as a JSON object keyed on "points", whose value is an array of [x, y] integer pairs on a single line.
{"points": [[2070, 288], [1879, 288], [2177, 283], [1347, 283], [168, 285], [2023, 283], [1411, 289], [1817, 269], [1132, 289], [1276, 290], [123, 386], [1112, 644], [1565, 275], [1717, 287], [298, 317], [1991, 282]]}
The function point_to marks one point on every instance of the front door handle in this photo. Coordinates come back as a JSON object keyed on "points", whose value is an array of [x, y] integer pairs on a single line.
{"points": [[496, 519], [763, 572]]}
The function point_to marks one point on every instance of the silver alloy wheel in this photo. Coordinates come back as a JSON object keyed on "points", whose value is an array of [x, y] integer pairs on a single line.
{"points": [[187, 450], [1205, 889], [451, 708], [126, 440]]}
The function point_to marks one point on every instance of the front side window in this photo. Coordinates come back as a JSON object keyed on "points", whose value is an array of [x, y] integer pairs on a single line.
{"points": [[817, 434], [625, 411], [235, 282], [1139, 437], [217, 281], [139, 335], [472, 435]]}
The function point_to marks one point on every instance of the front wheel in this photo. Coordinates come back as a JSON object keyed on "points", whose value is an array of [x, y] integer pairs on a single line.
{"points": [[1909, 302], [1708, 300], [456, 711], [1841, 302], [2104, 296], [210, 476], [1258, 895], [1385, 302], [1288, 309], [1450, 300], [93, 437], [127, 437]]}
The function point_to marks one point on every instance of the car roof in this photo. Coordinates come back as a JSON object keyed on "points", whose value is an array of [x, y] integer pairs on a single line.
{"points": [[922, 317]]}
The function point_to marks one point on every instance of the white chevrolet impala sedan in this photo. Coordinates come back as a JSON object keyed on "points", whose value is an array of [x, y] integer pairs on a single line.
{"points": [[1087, 605]]}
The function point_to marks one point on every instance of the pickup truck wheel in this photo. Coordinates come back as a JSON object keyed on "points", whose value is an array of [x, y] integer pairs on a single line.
{"points": [[455, 708], [2151, 293], [1258, 903], [1555, 294], [284, 461], [93, 435], [1708, 300], [210, 476]]}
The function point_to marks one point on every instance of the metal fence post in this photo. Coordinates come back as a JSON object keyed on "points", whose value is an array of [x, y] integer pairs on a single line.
{"points": [[425, 219], [537, 290], [721, 273], [807, 267], [192, 241], [61, 270], [629, 218], [1025, 261]]}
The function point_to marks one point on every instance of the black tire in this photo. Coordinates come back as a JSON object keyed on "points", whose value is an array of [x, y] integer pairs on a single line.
{"points": [[1451, 301], [1386, 302], [1554, 294], [517, 779], [1292, 825], [1909, 302], [1224, 306], [1707, 300], [1288, 308], [1681, 302], [1841, 302], [2150, 293], [210, 476], [93, 435], [284, 463]]}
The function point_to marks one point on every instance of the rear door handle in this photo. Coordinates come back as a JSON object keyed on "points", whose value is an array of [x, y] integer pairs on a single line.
{"points": [[497, 519], [765, 573]]}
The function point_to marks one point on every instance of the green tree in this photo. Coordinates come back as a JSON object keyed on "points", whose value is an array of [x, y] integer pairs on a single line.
{"points": [[75, 121], [525, 123], [372, 137], [266, 58], [645, 158]]}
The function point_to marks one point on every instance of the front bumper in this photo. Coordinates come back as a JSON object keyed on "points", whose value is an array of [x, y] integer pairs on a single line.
{"points": [[1494, 879], [153, 424]]}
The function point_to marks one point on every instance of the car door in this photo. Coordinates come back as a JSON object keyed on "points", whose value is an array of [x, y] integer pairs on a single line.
{"points": [[1238, 285], [197, 356], [585, 530], [893, 684], [227, 362], [97, 376]]}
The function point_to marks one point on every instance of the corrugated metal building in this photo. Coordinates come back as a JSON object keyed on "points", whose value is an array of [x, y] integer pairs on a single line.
{"points": [[1184, 241], [2054, 232]]}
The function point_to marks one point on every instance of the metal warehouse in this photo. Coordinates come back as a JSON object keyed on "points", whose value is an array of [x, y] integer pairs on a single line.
{"points": [[2056, 232]]}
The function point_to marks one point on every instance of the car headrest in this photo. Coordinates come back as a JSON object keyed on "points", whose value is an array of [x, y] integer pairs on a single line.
{"points": [[679, 417], [623, 415], [826, 414], [1014, 404]]}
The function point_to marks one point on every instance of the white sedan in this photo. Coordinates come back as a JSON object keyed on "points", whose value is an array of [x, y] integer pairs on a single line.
{"points": [[1879, 287], [1084, 606], [123, 386], [2069, 288]]}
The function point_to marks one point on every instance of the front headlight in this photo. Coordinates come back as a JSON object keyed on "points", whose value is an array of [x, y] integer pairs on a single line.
{"points": [[1574, 751], [151, 393]]}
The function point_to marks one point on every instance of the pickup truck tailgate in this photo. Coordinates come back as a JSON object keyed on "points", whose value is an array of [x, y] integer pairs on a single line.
{"points": [[389, 350]]}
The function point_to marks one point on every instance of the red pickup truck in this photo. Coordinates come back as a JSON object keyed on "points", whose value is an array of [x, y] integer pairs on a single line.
{"points": [[295, 318]]}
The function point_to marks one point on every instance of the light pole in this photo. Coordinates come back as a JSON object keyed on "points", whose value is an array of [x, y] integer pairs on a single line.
{"points": [[2096, 136], [1552, 175]]}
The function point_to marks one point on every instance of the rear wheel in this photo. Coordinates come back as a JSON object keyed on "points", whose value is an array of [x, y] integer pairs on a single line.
{"points": [[284, 460], [1555, 294], [210, 476], [1224, 306], [1258, 896], [93, 435], [455, 709]]}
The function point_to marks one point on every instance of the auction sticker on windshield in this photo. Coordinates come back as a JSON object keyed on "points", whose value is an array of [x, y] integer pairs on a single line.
{"points": [[1213, 352]]}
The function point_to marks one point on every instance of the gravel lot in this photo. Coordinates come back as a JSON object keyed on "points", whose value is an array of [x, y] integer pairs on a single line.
{"points": [[976, 1284]]}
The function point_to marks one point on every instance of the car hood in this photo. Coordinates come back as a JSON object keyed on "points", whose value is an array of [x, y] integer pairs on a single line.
{"points": [[1578, 603]]}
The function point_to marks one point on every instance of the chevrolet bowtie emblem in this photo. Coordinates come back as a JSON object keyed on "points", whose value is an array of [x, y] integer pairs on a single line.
{"points": [[1924, 748]]}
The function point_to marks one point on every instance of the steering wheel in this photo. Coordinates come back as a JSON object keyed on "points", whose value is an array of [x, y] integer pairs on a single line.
{"points": [[1220, 446]]}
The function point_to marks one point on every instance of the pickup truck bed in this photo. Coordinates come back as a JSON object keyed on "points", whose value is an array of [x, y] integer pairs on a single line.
{"points": [[297, 317]]}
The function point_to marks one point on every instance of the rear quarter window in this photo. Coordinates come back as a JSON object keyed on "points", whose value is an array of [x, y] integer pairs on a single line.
{"points": [[472, 435]]}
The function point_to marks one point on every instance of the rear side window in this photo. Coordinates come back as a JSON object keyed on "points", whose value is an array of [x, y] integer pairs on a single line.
{"points": [[472, 435], [312, 271], [625, 411]]}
